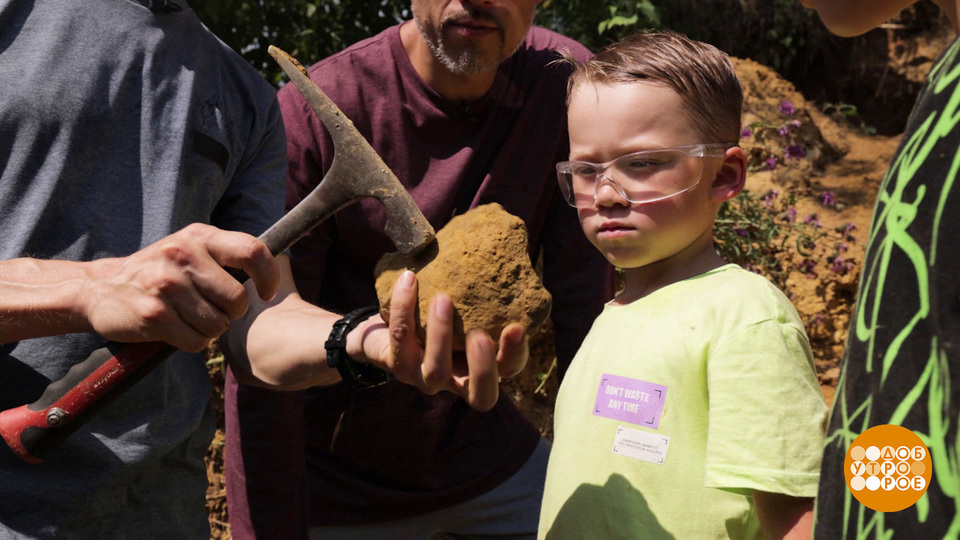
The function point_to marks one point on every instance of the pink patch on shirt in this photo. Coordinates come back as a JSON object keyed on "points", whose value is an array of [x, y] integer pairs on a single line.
{"points": [[630, 400]]}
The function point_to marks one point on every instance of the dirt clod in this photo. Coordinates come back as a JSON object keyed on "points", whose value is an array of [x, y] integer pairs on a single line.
{"points": [[480, 260]]}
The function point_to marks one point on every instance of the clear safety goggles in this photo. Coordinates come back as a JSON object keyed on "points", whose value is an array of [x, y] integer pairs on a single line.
{"points": [[640, 177]]}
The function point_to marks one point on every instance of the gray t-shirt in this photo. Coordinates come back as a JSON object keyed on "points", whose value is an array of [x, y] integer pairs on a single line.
{"points": [[119, 126]]}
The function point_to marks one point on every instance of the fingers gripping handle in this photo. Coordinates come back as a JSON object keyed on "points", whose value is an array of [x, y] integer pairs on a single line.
{"points": [[33, 431]]}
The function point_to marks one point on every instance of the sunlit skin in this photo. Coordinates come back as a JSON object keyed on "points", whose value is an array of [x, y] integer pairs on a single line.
{"points": [[854, 17], [654, 243], [471, 37]]}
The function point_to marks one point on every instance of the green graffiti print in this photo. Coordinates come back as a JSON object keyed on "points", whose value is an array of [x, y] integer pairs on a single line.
{"points": [[898, 204]]}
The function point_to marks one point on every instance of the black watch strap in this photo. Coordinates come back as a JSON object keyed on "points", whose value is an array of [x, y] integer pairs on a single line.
{"points": [[357, 374]]}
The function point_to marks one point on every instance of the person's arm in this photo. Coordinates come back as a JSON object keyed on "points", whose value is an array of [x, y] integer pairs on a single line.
{"points": [[280, 345], [783, 516], [849, 18], [174, 290]]}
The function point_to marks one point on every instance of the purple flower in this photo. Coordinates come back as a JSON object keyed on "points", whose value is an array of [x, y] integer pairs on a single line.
{"points": [[841, 266], [791, 215], [849, 229], [812, 219], [787, 108], [740, 231], [794, 151], [770, 164], [784, 131], [807, 267], [746, 132], [829, 199], [795, 124], [842, 247], [769, 197]]}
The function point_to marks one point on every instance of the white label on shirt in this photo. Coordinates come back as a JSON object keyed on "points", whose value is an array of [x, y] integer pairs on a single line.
{"points": [[642, 445]]}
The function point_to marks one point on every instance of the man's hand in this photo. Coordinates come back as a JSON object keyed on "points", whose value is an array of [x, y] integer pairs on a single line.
{"points": [[176, 289], [436, 367]]}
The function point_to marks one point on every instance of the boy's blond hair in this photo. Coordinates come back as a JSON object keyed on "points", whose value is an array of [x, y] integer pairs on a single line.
{"points": [[699, 73]]}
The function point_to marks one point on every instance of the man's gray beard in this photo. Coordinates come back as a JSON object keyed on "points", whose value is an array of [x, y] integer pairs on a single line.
{"points": [[469, 62]]}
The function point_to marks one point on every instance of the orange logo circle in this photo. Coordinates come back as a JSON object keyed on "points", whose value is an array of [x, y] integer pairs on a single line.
{"points": [[887, 468]]}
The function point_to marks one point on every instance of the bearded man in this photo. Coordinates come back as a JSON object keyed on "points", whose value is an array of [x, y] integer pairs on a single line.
{"points": [[466, 106]]}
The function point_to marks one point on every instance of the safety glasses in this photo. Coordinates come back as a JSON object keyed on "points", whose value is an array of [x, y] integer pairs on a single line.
{"points": [[640, 177]]}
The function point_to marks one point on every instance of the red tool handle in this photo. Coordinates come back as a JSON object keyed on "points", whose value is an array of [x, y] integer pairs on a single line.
{"points": [[34, 430]]}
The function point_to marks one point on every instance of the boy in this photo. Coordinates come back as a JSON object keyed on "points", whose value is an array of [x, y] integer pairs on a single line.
{"points": [[692, 409], [902, 361]]}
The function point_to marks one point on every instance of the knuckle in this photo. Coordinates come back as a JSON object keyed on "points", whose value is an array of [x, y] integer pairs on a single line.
{"points": [[435, 378], [151, 311], [217, 326], [399, 331], [237, 301], [196, 230], [178, 254], [164, 284], [253, 249]]}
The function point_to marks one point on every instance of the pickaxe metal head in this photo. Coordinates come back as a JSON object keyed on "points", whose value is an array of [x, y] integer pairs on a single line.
{"points": [[357, 171]]}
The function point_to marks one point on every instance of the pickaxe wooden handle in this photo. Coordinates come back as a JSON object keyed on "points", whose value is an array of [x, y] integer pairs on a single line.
{"points": [[33, 431]]}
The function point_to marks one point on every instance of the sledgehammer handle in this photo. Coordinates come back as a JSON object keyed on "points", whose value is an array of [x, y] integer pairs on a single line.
{"points": [[33, 431]]}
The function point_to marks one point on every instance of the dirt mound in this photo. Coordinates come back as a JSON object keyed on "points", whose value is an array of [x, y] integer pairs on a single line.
{"points": [[834, 174]]}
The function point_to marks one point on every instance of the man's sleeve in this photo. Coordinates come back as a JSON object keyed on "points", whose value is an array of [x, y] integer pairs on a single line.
{"points": [[253, 200]]}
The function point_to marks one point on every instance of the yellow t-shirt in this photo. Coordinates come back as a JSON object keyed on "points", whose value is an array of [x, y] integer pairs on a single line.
{"points": [[676, 406]]}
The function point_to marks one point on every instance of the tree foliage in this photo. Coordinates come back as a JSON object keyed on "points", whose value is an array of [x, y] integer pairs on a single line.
{"points": [[772, 32], [307, 29], [781, 34], [314, 29]]}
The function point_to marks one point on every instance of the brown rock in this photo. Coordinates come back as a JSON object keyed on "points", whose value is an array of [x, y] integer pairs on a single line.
{"points": [[480, 260]]}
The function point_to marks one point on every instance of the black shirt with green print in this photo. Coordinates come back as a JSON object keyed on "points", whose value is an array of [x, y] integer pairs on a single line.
{"points": [[902, 361]]}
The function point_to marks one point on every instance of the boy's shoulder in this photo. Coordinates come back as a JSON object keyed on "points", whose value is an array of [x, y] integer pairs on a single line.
{"points": [[733, 280], [735, 291]]}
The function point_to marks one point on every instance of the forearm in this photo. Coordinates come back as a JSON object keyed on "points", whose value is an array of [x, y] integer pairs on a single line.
{"points": [[44, 297], [852, 18], [280, 344], [283, 349]]}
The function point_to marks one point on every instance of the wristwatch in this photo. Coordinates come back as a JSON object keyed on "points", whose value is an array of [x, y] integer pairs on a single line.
{"points": [[356, 374]]}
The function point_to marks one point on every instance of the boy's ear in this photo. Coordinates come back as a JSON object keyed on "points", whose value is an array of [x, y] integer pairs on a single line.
{"points": [[731, 176]]}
